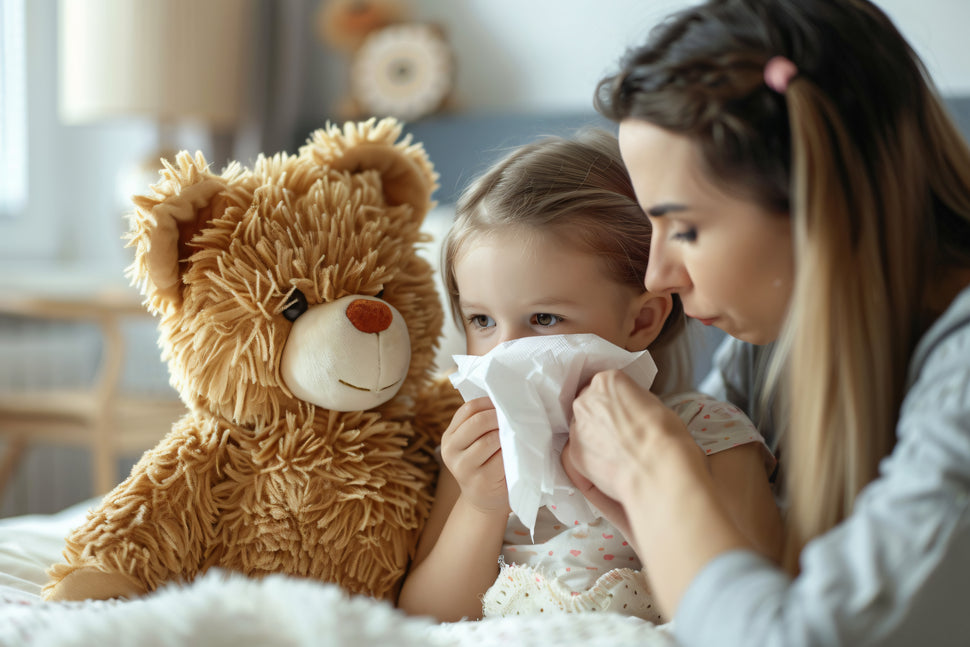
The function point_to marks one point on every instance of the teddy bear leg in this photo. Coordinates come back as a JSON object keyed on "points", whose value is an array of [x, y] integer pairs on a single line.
{"points": [[90, 583]]}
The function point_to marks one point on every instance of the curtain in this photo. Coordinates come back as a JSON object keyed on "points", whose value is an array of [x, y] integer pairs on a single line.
{"points": [[281, 47]]}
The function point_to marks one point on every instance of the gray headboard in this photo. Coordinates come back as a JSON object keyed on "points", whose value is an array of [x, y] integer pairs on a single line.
{"points": [[960, 108], [464, 146]]}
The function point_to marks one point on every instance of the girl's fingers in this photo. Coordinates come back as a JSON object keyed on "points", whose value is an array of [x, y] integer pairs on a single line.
{"points": [[479, 423], [475, 406], [480, 472], [487, 446], [474, 456], [468, 410]]}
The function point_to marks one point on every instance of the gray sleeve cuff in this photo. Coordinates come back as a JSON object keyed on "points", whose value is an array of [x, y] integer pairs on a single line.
{"points": [[717, 606]]}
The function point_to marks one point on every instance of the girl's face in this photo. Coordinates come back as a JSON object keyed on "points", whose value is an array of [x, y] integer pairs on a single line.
{"points": [[519, 283], [730, 260]]}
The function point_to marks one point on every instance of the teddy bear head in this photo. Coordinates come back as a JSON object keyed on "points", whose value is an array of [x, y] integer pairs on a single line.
{"points": [[293, 287]]}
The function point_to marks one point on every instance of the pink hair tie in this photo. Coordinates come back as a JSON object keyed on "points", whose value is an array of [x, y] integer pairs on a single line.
{"points": [[778, 73]]}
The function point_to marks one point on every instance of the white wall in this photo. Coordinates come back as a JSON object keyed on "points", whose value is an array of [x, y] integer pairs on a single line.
{"points": [[539, 55], [547, 55], [938, 30]]}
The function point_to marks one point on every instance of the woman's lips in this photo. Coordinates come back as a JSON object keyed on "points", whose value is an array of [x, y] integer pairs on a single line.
{"points": [[705, 321]]}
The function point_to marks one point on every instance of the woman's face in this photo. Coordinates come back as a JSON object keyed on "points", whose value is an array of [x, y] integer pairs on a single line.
{"points": [[730, 260]]}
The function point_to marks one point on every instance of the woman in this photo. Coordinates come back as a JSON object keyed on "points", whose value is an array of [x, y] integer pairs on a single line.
{"points": [[809, 196]]}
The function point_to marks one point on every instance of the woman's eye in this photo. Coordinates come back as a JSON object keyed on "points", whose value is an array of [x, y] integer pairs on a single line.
{"points": [[295, 306], [545, 319], [688, 235], [481, 321]]}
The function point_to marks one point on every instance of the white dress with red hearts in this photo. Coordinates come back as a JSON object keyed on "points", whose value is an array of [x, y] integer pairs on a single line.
{"points": [[590, 566]]}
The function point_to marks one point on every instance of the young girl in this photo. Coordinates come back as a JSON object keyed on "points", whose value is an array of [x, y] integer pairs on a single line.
{"points": [[551, 241], [807, 188]]}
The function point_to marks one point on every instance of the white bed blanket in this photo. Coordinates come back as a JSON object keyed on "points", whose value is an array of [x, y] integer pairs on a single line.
{"points": [[232, 610]]}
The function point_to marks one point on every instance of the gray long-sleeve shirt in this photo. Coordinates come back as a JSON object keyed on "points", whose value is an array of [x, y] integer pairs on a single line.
{"points": [[897, 570]]}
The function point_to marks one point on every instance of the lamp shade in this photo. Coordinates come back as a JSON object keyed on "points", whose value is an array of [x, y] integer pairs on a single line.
{"points": [[168, 60]]}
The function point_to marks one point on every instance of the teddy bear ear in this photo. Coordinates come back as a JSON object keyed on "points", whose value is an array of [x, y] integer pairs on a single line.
{"points": [[406, 172], [183, 201]]}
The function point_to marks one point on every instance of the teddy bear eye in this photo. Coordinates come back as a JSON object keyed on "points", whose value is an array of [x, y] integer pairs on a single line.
{"points": [[296, 307], [380, 295]]}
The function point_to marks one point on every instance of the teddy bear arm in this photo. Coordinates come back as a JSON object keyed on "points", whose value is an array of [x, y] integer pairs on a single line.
{"points": [[433, 411], [152, 528], [101, 558], [435, 407], [89, 582]]}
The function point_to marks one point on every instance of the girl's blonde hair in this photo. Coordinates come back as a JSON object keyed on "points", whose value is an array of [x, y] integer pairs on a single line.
{"points": [[578, 190], [876, 178]]}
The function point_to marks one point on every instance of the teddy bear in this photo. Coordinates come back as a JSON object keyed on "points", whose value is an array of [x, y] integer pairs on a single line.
{"points": [[299, 325]]}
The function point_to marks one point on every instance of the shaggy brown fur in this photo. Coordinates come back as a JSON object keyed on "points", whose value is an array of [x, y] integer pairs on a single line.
{"points": [[253, 479]]}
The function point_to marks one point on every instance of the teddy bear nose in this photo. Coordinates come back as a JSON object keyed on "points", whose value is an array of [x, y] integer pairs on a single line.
{"points": [[369, 316]]}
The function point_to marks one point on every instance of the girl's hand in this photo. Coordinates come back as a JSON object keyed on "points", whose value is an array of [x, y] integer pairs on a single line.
{"points": [[471, 451], [621, 434]]}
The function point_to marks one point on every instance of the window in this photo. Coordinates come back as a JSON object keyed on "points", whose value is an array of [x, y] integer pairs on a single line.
{"points": [[13, 112]]}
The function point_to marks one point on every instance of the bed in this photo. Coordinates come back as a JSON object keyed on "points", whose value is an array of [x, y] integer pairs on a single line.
{"points": [[228, 609]]}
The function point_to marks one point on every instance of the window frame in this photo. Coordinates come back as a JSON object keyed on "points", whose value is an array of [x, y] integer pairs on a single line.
{"points": [[13, 109]]}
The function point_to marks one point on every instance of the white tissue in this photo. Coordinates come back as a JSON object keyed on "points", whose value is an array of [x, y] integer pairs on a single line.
{"points": [[532, 383]]}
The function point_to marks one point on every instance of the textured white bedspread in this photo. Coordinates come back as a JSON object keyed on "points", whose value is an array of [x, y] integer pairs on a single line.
{"points": [[235, 611]]}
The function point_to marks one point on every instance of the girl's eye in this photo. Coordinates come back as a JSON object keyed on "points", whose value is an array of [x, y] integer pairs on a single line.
{"points": [[481, 321], [545, 319], [688, 235]]}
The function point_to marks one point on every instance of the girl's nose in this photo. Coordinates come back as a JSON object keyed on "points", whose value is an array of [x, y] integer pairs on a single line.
{"points": [[517, 332]]}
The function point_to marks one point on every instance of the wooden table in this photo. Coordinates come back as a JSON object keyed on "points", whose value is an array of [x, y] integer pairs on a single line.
{"points": [[99, 416]]}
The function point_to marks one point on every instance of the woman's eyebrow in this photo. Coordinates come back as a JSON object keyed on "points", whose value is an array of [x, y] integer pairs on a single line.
{"points": [[660, 210]]}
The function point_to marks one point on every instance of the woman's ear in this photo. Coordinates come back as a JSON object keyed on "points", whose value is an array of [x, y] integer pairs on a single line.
{"points": [[649, 313]]}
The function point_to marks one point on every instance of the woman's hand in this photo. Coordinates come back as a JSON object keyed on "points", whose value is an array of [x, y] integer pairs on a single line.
{"points": [[620, 434], [471, 451], [609, 507], [634, 456]]}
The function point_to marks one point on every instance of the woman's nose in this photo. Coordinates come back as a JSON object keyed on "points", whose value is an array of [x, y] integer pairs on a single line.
{"points": [[665, 273]]}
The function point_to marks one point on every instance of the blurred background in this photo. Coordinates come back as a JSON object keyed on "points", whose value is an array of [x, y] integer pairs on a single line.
{"points": [[93, 92]]}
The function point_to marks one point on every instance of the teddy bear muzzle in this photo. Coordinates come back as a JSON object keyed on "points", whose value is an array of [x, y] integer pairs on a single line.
{"points": [[351, 354]]}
